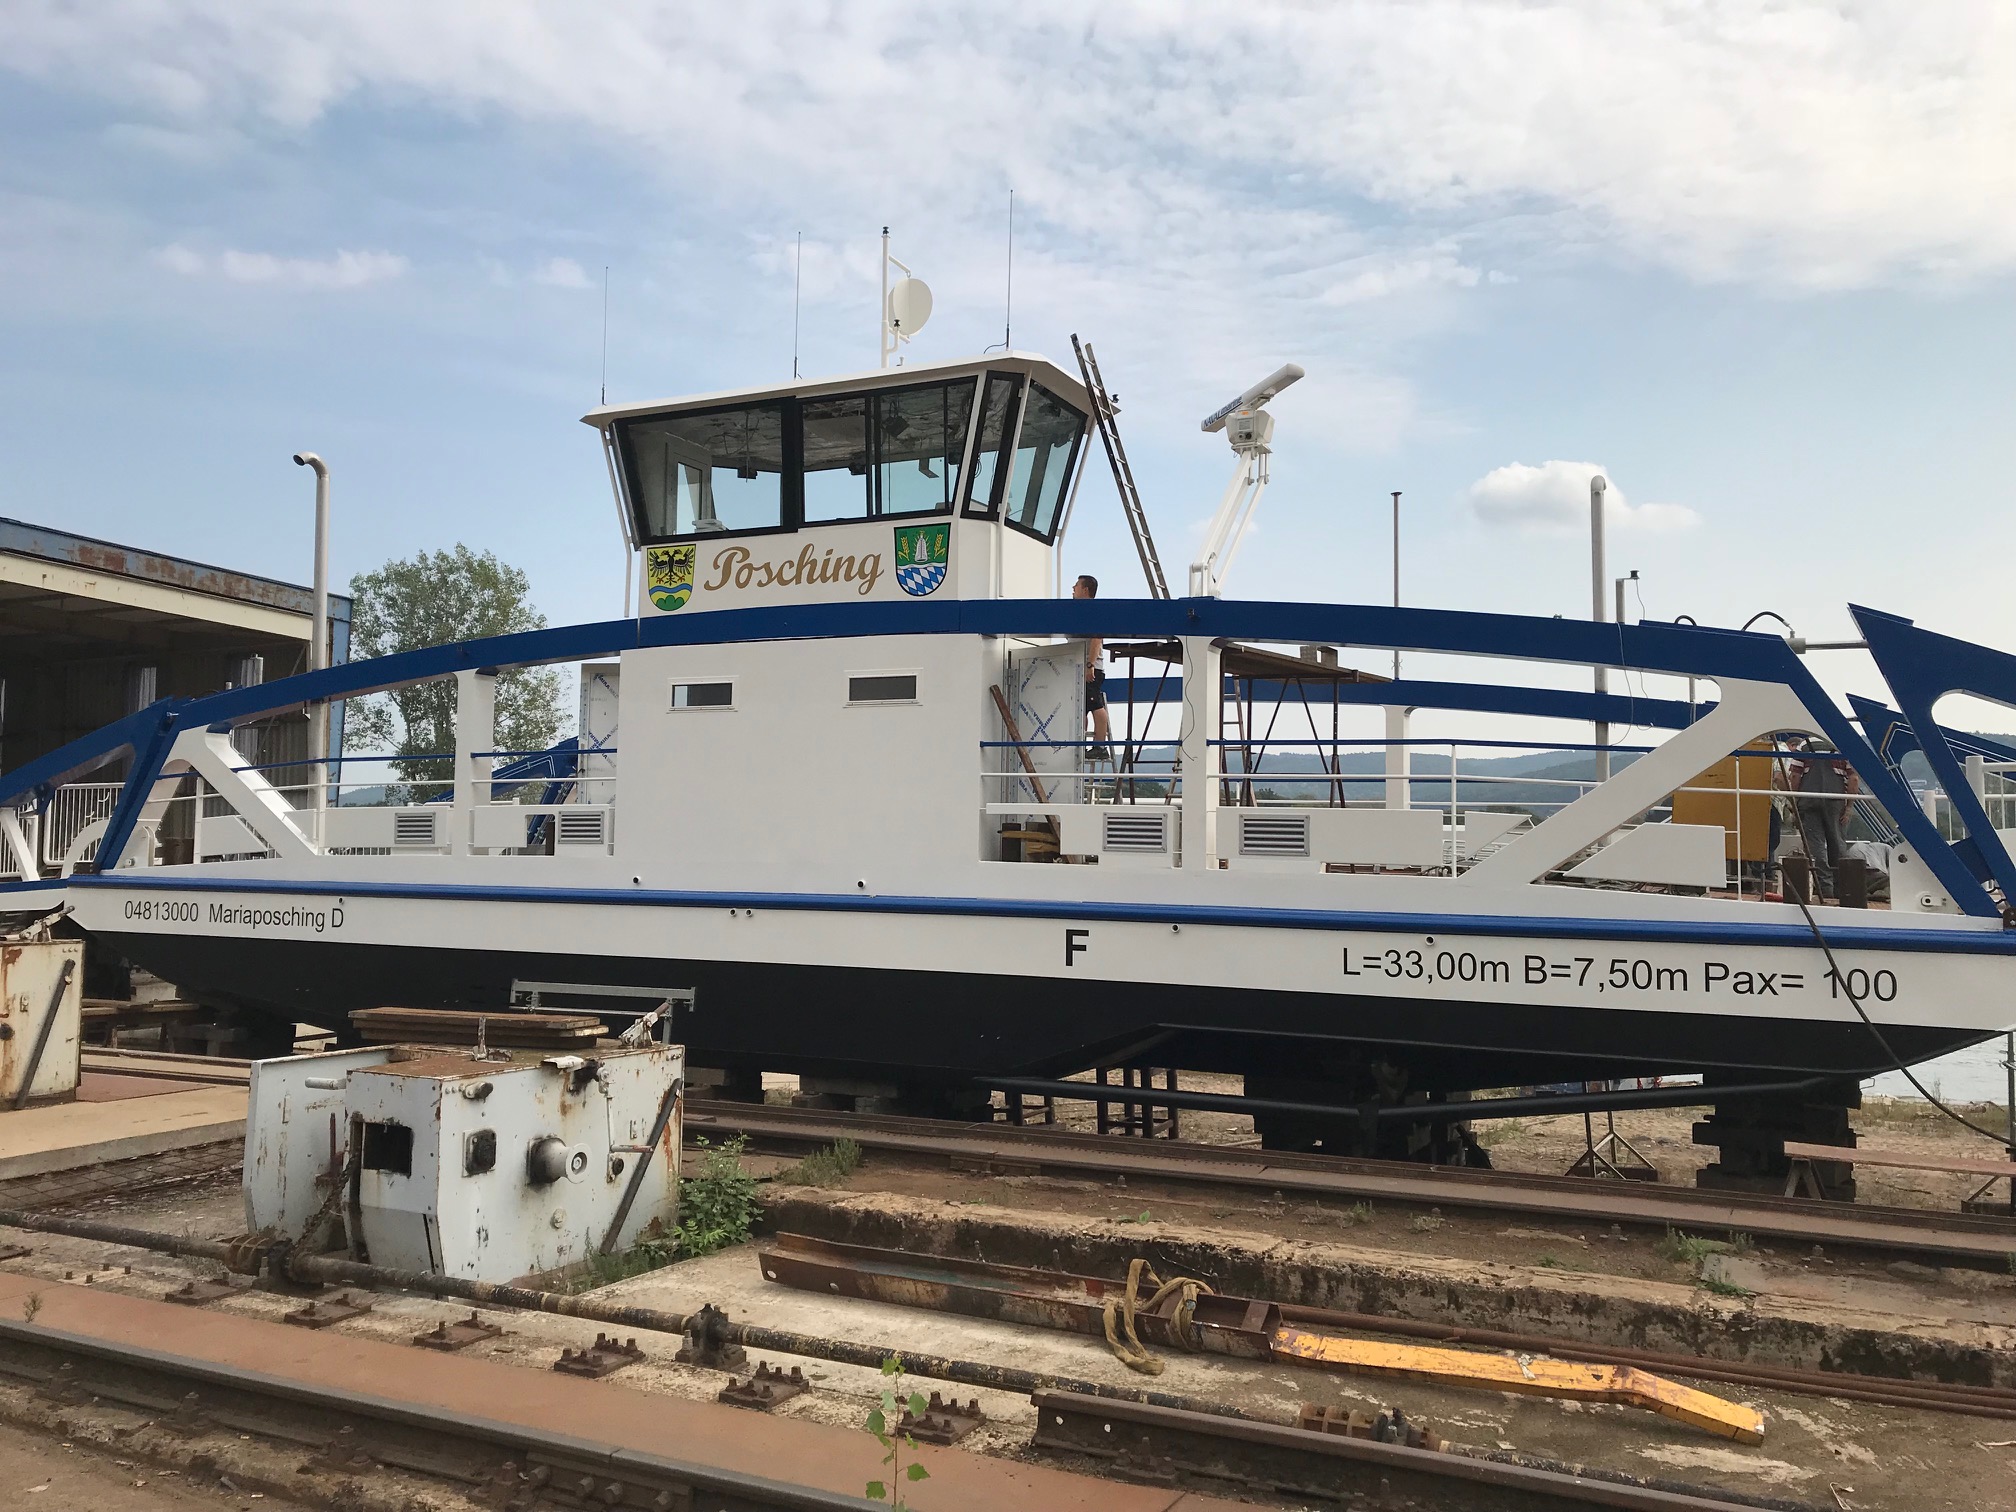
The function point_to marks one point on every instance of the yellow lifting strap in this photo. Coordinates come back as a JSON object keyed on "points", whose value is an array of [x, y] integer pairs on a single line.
{"points": [[1119, 1314], [1532, 1375]]}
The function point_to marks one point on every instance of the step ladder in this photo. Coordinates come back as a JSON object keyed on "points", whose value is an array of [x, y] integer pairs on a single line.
{"points": [[1106, 415]]}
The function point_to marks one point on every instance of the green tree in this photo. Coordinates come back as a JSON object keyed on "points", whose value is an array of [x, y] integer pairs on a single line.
{"points": [[430, 600]]}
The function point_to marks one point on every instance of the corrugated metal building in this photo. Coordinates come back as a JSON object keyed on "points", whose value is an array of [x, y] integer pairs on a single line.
{"points": [[91, 631]]}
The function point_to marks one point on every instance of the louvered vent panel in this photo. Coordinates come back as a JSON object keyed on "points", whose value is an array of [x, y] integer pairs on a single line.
{"points": [[583, 827], [1137, 832], [414, 829], [1273, 834]]}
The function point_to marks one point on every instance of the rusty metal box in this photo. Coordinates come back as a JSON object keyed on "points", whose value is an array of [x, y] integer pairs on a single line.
{"points": [[41, 1020]]}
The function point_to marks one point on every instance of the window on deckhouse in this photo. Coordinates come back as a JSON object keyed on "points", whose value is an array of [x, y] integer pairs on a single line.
{"points": [[705, 473], [895, 452], [1044, 453], [997, 430]]}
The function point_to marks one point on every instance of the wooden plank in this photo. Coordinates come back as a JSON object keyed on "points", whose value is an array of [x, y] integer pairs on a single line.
{"points": [[509, 1028], [1959, 1165]]}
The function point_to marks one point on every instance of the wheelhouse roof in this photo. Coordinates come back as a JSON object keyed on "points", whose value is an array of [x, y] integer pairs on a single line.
{"points": [[1044, 371]]}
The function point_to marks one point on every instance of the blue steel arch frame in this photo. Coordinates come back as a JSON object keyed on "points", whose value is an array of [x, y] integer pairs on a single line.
{"points": [[1680, 650], [1922, 667]]}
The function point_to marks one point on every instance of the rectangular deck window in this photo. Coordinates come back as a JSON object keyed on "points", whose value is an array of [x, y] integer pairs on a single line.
{"points": [[703, 695], [882, 687]]}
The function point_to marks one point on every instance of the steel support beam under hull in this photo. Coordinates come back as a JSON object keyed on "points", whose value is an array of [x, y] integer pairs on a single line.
{"points": [[948, 1027]]}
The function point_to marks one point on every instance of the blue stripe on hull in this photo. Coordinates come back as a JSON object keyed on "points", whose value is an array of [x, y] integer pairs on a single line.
{"points": [[1520, 926]]}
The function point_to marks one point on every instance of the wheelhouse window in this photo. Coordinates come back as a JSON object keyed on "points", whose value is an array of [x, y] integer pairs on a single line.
{"points": [[705, 473], [837, 485], [1045, 452], [997, 431], [897, 452], [920, 441]]}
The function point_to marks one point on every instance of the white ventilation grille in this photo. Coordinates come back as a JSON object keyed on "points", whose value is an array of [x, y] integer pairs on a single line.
{"points": [[1137, 832], [1273, 834], [588, 826], [415, 829]]}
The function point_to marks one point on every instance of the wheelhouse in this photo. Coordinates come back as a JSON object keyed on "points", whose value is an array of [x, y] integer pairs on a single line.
{"points": [[952, 478]]}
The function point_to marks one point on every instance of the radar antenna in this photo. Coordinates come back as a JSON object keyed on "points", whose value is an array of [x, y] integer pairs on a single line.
{"points": [[1250, 429], [1106, 415]]}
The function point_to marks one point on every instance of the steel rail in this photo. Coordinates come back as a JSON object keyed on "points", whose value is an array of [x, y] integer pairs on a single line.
{"points": [[1529, 1480], [1981, 1239], [1978, 1401], [707, 1326], [329, 1407], [1267, 1452]]}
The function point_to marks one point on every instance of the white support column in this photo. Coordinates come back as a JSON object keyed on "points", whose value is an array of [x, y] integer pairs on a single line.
{"points": [[1399, 760], [252, 798], [1203, 710], [14, 842], [475, 731]]}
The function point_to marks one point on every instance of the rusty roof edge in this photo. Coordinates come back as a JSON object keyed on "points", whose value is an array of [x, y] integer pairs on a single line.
{"points": [[50, 545]]}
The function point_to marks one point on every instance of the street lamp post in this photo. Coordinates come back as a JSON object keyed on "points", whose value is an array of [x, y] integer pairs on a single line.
{"points": [[1597, 486], [1396, 574], [318, 636]]}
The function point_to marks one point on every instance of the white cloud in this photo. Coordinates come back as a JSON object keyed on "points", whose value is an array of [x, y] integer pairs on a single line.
{"points": [[179, 259], [562, 273], [1381, 277], [345, 270], [1555, 497], [1805, 143]]}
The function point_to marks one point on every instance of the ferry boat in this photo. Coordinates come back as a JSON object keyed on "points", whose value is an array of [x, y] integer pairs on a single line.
{"points": [[833, 773]]}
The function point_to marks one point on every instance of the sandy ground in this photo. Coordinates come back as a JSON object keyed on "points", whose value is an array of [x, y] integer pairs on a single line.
{"points": [[42, 1474]]}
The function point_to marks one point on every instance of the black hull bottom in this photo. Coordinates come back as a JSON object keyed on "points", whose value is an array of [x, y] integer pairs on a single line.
{"points": [[948, 1028]]}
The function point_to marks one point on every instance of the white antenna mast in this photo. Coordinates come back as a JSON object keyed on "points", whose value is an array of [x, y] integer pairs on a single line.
{"points": [[905, 307], [797, 271], [1250, 429]]}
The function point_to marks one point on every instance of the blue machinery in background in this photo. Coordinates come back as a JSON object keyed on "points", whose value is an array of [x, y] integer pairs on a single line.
{"points": [[1919, 666]]}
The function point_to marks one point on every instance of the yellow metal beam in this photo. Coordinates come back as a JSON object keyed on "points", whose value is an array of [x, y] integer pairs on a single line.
{"points": [[1530, 1375]]}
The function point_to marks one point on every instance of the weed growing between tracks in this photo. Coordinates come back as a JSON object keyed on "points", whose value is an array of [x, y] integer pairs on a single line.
{"points": [[823, 1168], [884, 1422], [718, 1207], [1694, 1252]]}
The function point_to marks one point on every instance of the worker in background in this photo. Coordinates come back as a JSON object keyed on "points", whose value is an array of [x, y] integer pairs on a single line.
{"points": [[1821, 817], [1087, 587]]}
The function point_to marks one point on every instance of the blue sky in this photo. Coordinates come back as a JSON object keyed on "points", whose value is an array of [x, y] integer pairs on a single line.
{"points": [[1756, 262]]}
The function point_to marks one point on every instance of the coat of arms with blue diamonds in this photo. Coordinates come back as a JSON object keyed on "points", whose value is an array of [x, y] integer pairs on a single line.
{"points": [[922, 552]]}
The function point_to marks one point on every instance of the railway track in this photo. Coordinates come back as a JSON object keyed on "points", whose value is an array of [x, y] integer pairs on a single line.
{"points": [[1975, 1239], [352, 1433], [349, 1431]]}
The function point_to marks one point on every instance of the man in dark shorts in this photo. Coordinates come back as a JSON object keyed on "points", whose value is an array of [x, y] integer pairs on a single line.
{"points": [[1087, 587]]}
